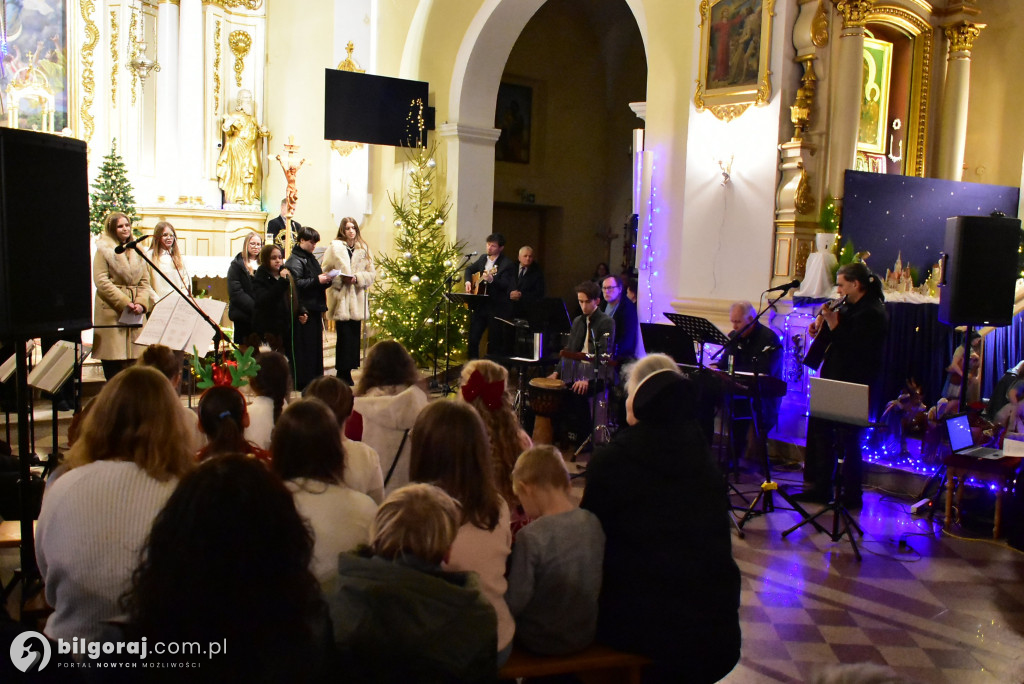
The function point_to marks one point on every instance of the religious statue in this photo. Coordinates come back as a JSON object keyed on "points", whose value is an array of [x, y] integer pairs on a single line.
{"points": [[291, 170], [238, 167]]}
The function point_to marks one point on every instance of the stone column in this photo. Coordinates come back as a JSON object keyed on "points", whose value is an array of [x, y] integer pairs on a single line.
{"points": [[190, 97], [847, 79], [167, 99], [471, 172], [953, 124]]}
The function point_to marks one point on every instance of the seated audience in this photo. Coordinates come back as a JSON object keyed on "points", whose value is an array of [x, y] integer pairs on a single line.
{"points": [[389, 397], [223, 419], [671, 589], [171, 363], [362, 464], [132, 449], [483, 388], [554, 576], [228, 562], [272, 385], [308, 455], [398, 617], [450, 449]]}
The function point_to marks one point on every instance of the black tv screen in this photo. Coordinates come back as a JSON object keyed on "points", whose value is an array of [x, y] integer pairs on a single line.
{"points": [[376, 110]]}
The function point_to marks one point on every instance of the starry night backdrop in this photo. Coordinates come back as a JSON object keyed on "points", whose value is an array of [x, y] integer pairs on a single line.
{"points": [[888, 215]]}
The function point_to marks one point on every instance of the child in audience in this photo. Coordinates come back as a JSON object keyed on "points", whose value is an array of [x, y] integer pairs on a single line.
{"points": [[398, 617], [483, 387], [307, 453], [272, 385], [362, 464], [170, 364], [223, 418], [450, 449], [563, 547]]}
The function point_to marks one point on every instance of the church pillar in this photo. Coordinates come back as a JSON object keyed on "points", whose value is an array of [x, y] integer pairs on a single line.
{"points": [[167, 99], [847, 77], [190, 97], [471, 172], [953, 130]]}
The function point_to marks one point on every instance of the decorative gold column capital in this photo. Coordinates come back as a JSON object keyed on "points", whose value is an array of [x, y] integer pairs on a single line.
{"points": [[961, 36], [855, 12]]}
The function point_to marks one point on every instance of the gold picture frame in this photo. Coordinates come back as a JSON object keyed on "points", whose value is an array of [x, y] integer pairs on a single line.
{"points": [[735, 54], [874, 106]]}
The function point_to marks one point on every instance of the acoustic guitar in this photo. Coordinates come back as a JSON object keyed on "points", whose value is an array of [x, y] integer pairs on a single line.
{"points": [[816, 352], [479, 284]]}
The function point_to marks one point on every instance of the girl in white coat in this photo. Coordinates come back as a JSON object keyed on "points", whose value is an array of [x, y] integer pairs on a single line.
{"points": [[350, 255]]}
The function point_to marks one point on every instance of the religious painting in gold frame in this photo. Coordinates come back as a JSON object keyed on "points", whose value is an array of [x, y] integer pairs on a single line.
{"points": [[735, 52], [874, 106]]}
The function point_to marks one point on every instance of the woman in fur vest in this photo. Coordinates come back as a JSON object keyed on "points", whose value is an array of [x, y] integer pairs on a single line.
{"points": [[350, 255], [122, 282]]}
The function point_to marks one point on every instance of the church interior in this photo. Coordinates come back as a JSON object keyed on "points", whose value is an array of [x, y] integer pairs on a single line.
{"points": [[711, 151]]}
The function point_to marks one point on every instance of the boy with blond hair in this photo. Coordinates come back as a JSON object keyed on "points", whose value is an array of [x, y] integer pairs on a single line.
{"points": [[397, 616], [555, 571]]}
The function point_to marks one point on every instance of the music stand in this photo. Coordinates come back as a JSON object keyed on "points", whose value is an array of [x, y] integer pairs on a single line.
{"points": [[700, 330], [669, 339], [845, 404]]}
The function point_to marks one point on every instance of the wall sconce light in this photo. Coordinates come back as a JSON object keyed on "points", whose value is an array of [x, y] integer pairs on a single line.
{"points": [[726, 168]]}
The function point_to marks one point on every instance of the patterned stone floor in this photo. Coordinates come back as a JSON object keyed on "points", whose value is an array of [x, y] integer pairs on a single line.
{"points": [[927, 605]]}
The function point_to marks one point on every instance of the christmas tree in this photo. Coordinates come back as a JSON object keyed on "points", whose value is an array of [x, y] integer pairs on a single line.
{"points": [[413, 278], [113, 192]]}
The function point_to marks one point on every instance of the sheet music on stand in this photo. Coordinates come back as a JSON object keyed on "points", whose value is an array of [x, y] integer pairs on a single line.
{"points": [[701, 330], [55, 368], [173, 323]]}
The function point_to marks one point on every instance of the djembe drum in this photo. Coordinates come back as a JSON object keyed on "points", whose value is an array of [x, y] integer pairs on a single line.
{"points": [[546, 397]]}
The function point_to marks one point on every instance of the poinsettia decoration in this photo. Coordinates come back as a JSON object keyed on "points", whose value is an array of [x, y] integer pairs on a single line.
{"points": [[234, 368]]}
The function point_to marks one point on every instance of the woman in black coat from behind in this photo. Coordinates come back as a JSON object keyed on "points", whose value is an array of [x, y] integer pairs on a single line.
{"points": [[671, 589], [240, 293]]}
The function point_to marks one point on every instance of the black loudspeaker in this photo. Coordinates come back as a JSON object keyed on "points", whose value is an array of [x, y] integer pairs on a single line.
{"points": [[980, 267], [45, 270]]}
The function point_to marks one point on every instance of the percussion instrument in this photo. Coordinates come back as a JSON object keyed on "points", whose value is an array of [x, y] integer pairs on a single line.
{"points": [[546, 398]]}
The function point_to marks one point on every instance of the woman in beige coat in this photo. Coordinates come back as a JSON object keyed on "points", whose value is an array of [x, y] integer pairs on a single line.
{"points": [[347, 302], [122, 282]]}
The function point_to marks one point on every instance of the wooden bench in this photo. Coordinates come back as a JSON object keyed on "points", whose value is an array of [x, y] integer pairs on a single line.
{"points": [[595, 658]]}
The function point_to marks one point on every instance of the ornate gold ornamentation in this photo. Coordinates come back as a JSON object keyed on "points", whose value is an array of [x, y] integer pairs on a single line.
{"points": [[92, 37], [805, 202], [801, 110], [855, 12], [216, 68], [344, 147], [239, 42], [133, 51], [961, 36], [803, 251], [237, 4], [705, 12], [917, 123], [728, 112], [819, 26], [113, 58], [698, 95]]}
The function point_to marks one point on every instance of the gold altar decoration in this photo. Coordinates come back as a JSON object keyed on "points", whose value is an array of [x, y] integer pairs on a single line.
{"points": [[133, 51], [855, 12], [113, 58], [139, 62], [805, 202], [343, 147], [239, 165], [961, 36], [216, 66], [738, 74], [237, 4], [801, 110], [239, 42], [819, 26], [92, 37]]}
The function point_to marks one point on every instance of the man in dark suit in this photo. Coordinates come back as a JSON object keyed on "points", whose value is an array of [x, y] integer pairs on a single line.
{"points": [[497, 275], [529, 283], [276, 225], [623, 312]]}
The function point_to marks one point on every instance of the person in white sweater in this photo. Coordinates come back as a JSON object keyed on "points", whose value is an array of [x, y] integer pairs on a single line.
{"points": [[132, 450], [349, 260], [450, 449], [272, 386], [389, 397], [362, 464], [166, 255], [307, 454]]}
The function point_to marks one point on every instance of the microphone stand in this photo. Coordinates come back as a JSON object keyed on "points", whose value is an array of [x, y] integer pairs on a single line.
{"points": [[443, 290]]}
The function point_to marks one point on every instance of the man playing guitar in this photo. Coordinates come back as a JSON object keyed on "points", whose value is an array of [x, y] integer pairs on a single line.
{"points": [[493, 274]]}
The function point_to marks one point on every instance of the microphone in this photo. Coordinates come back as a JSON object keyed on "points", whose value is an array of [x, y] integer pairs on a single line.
{"points": [[784, 288], [120, 249], [472, 254]]}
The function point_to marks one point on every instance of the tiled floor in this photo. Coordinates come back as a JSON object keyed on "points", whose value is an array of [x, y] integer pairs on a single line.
{"points": [[932, 609]]}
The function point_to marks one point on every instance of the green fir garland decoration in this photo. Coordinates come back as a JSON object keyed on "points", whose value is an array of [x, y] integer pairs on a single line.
{"points": [[112, 192], [411, 280]]}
